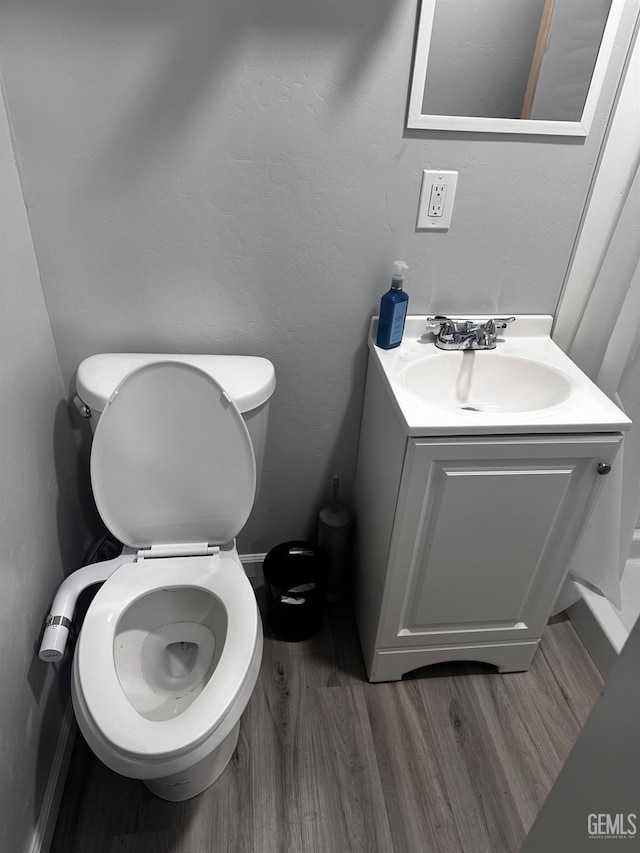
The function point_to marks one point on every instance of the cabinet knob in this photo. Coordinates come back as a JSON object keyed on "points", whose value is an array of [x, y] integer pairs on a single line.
{"points": [[603, 467]]}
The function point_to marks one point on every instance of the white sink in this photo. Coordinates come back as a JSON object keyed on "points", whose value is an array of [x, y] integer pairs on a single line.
{"points": [[486, 381], [525, 385]]}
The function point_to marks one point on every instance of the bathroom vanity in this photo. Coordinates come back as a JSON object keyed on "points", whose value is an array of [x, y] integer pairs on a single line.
{"points": [[477, 471]]}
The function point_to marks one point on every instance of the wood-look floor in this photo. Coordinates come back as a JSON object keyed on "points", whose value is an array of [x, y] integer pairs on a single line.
{"points": [[453, 758]]}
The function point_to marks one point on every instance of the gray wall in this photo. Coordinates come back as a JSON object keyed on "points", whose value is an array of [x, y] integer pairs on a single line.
{"points": [[235, 177], [40, 525]]}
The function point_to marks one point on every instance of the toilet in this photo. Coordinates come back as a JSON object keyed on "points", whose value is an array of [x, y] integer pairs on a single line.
{"points": [[171, 645]]}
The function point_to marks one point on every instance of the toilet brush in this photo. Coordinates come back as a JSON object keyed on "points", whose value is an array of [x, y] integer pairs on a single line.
{"points": [[334, 538]]}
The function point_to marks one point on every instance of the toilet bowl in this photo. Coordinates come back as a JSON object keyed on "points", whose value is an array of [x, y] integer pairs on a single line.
{"points": [[171, 645], [166, 662]]}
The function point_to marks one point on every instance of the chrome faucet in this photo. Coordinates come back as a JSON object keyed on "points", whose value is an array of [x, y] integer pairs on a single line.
{"points": [[466, 334]]}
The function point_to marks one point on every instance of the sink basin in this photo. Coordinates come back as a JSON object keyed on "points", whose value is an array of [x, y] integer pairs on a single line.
{"points": [[477, 381]]}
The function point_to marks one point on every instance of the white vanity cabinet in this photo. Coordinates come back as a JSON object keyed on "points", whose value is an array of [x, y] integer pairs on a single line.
{"points": [[464, 541]]}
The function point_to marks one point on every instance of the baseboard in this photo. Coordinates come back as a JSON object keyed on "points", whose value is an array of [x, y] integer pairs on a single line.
{"points": [[252, 564], [43, 832]]}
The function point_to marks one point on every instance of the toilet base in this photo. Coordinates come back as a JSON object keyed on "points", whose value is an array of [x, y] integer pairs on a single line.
{"points": [[194, 780]]}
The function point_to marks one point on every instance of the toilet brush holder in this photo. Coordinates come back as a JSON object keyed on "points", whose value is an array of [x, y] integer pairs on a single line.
{"points": [[335, 526]]}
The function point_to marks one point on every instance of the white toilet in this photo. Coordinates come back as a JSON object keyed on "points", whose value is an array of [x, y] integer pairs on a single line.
{"points": [[170, 648]]}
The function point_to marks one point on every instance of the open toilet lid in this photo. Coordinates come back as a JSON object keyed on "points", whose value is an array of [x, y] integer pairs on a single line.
{"points": [[172, 460]]}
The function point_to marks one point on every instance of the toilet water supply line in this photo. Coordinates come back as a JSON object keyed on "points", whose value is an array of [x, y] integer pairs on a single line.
{"points": [[58, 622]]}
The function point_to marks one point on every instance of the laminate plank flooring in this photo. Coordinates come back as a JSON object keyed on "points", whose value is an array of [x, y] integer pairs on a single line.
{"points": [[453, 759]]}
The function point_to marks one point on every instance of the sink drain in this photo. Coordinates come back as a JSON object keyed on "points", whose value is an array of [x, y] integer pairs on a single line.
{"points": [[469, 409]]}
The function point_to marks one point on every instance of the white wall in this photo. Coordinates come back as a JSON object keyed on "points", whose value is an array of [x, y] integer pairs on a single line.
{"points": [[219, 176], [40, 526]]}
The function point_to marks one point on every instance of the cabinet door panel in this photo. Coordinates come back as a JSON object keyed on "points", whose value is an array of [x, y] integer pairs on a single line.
{"points": [[479, 558], [480, 552]]}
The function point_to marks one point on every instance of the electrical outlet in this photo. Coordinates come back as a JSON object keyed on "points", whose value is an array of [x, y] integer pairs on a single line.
{"points": [[436, 200]]}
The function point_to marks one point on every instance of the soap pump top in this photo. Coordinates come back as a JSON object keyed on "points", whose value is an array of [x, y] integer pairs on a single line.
{"points": [[397, 279]]}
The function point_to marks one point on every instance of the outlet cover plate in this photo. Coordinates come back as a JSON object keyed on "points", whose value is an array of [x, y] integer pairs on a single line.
{"points": [[437, 194]]}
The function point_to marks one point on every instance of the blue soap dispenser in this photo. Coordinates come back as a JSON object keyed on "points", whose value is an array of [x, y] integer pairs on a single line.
{"points": [[393, 310]]}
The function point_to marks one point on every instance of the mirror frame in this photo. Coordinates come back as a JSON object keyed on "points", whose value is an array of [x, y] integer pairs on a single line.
{"points": [[417, 120]]}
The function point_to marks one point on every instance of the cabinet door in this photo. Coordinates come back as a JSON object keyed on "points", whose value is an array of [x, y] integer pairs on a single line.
{"points": [[484, 532]]}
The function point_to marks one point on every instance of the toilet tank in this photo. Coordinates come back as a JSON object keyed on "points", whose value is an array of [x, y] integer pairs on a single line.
{"points": [[249, 380]]}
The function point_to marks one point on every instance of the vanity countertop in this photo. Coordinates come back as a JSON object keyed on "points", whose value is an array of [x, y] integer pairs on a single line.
{"points": [[526, 385]]}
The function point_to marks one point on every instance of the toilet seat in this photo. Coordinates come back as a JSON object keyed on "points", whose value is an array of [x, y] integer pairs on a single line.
{"points": [[123, 729], [172, 461]]}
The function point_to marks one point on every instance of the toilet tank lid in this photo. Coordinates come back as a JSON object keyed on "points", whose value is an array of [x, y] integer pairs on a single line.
{"points": [[249, 380]]}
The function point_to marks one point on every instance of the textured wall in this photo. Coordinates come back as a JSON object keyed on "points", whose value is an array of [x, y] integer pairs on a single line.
{"points": [[219, 176], [40, 526]]}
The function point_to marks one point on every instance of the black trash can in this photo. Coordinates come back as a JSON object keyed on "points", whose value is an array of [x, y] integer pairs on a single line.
{"points": [[295, 577]]}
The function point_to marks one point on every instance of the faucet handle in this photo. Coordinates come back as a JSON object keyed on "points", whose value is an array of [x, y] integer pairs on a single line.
{"points": [[501, 322], [441, 325], [437, 322]]}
